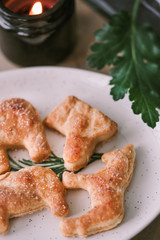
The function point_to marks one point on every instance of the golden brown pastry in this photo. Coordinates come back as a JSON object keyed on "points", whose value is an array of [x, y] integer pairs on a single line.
{"points": [[106, 188], [83, 126], [20, 126], [29, 190]]}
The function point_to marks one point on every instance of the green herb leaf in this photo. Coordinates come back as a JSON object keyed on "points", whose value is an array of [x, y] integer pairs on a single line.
{"points": [[134, 52]]}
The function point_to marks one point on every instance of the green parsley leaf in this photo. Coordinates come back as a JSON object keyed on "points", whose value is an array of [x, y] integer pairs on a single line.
{"points": [[134, 51]]}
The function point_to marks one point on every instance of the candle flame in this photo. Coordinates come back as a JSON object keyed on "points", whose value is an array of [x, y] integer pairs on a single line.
{"points": [[36, 9]]}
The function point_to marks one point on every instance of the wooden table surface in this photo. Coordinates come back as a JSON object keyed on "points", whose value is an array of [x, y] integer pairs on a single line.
{"points": [[88, 21]]}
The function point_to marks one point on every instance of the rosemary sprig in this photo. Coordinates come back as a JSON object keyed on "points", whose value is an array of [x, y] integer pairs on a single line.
{"points": [[54, 162]]}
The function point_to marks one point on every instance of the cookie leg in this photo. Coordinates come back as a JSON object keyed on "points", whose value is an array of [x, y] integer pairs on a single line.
{"points": [[71, 180], [58, 205], [4, 224], [4, 162], [37, 146], [51, 190], [98, 219], [77, 152]]}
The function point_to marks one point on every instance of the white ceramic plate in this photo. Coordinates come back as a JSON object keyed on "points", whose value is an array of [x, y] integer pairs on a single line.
{"points": [[45, 87]]}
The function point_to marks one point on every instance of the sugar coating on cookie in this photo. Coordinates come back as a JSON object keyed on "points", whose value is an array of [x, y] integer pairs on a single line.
{"points": [[20, 126], [106, 188], [30, 190]]}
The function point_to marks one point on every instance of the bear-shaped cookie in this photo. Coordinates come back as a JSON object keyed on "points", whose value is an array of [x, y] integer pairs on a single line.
{"points": [[83, 126], [106, 188], [20, 126], [28, 190]]}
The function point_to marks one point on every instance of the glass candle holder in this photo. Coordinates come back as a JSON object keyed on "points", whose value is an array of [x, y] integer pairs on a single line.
{"points": [[29, 38]]}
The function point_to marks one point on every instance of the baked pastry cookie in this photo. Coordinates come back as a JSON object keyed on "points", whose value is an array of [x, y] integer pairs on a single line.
{"points": [[83, 126], [29, 190], [106, 188], [20, 126]]}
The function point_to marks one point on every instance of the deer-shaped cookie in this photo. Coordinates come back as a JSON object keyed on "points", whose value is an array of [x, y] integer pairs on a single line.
{"points": [[20, 126], [83, 126], [106, 188], [29, 190]]}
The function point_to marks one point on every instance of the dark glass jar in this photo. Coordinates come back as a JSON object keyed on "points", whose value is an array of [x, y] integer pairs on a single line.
{"points": [[43, 39]]}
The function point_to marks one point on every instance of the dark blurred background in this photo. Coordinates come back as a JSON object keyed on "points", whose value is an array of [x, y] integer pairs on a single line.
{"points": [[149, 9]]}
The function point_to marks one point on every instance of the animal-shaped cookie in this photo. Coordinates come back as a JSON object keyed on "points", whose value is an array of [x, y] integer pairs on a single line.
{"points": [[20, 126], [106, 188], [29, 190], [83, 126]]}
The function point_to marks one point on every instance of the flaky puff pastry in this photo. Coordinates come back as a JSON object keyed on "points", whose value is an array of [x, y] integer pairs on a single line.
{"points": [[20, 126], [29, 190], [83, 126], [106, 188]]}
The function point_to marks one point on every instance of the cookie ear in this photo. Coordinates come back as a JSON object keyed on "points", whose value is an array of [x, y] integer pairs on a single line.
{"points": [[83, 126], [109, 156], [128, 151], [21, 127]]}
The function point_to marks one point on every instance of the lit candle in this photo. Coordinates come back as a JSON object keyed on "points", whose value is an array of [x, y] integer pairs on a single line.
{"points": [[25, 7], [37, 32], [36, 9]]}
